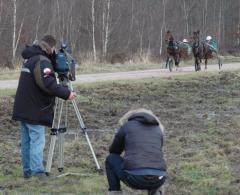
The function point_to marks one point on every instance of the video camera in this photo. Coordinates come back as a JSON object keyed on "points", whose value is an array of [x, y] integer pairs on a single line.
{"points": [[65, 63]]}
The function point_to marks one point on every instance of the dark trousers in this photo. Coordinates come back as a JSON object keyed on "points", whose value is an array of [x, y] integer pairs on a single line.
{"points": [[115, 174]]}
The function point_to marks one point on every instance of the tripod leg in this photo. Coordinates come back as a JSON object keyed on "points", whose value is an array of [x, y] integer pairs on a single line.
{"points": [[61, 138], [61, 152], [83, 127], [50, 154], [54, 133]]}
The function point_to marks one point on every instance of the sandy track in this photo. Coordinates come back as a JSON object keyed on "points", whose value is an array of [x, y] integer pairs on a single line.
{"points": [[99, 77]]}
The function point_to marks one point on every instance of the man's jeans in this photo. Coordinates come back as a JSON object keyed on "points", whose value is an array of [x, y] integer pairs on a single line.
{"points": [[32, 146], [115, 173]]}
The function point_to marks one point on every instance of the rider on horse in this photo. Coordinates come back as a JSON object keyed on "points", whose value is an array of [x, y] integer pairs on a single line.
{"points": [[211, 43], [172, 48], [171, 44]]}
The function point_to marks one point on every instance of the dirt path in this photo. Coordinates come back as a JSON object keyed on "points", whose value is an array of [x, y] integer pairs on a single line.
{"points": [[89, 78]]}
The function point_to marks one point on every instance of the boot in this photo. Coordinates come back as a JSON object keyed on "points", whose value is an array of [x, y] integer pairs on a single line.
{"points": [[115, 193], [159, 191]]}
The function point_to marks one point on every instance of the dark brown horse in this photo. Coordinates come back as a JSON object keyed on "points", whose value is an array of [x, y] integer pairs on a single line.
{"points": [[197, 49], [203, 50], [209, 51], [173, 51]]}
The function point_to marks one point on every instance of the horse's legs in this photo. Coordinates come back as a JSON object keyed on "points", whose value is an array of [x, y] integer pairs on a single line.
{"points": [[177, 61], [167, 60], [196, 63], [206, 63], [219, 62]]}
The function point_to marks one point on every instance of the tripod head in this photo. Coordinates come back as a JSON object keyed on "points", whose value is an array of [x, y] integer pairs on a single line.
{"points": [[63, 79]]}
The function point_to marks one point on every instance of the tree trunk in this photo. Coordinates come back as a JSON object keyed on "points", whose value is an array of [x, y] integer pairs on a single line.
{"points": [[238, 27], [205, 9], [1, 10], [106, 38], [14, 33], [16, 37], [219, 22], [93, 32], [162, 27], [37, 27], [186, 14], [131, 26]]}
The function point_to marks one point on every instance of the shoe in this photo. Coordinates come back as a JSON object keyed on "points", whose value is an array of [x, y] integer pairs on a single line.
{"points": [[153, 192], [114, 192], [27, 175], [159, 191], [42, 176]]}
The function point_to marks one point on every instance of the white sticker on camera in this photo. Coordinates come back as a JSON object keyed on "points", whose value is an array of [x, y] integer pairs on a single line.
{"points": [[47, 71]]}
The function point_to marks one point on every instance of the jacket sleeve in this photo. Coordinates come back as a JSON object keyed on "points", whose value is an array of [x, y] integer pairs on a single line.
{"points": [[46, 80], [117, 146]]}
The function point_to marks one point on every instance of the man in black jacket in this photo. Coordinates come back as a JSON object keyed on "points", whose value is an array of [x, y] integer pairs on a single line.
{"points": [[143, 165], [34, 102]]}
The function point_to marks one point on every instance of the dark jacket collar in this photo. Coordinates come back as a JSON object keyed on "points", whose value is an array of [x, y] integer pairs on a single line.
{"points": [[35, 50], [31, 51]]}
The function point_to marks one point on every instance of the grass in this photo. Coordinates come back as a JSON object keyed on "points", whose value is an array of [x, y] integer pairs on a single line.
{"points": [[201, 115], [88, 67], [7, 93]]}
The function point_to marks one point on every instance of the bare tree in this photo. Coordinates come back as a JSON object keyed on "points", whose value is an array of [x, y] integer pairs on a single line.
{"points": [[205, 12], [16, 35], [238, 26], [219, 22], [163, 27], [186, 15], [106, 26], [93, 31]]}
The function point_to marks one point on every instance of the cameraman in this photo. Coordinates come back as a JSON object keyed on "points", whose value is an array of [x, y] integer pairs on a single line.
{"points": [[34, 102], [140, 137]]}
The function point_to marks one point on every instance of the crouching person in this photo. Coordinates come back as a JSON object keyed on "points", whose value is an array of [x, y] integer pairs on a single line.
{"points": [[142, 166]]}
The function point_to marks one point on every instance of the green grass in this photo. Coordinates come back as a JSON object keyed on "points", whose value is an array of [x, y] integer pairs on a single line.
{"points": [[201, 114]]}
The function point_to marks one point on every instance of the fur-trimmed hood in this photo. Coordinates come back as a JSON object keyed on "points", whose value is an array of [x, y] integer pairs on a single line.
{"points": [[142, 115]]}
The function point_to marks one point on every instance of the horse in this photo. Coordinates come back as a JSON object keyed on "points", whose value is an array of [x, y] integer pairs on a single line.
{"points": [[204, 50], [209, 50], [197, 49], [173, 51]]}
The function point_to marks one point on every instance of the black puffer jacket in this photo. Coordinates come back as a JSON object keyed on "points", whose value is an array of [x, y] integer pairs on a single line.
{"points": [[142, 139], [37, 88]]}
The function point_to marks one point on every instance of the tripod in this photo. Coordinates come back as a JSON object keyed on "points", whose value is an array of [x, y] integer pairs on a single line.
{"points": [[59, 129]]}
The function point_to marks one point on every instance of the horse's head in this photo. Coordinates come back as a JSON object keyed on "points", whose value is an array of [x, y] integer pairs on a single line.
{"points": [[169, 36], [196, 36], [197, 45]]}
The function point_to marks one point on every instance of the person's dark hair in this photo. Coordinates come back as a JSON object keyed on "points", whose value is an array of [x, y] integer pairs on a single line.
{"points": [[50, 40]]}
